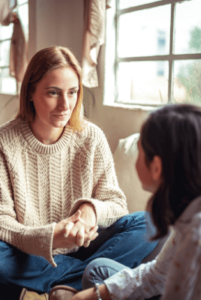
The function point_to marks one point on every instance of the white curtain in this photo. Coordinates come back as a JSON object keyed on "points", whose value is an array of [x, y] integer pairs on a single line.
{"points": [[18, 47], [93, 38]]}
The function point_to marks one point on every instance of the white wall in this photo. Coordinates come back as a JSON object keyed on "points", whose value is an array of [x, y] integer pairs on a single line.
{"points": [[60, 22], [55, 22]]}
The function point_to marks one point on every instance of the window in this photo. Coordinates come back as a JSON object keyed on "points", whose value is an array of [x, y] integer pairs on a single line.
{"points": [[8, 83], [155, 54]]}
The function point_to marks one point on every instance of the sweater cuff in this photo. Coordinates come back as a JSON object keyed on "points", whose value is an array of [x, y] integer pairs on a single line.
{"points": [[38, 241], [99, 206]]}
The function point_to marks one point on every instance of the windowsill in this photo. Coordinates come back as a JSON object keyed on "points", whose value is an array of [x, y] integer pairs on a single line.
{"points": [[132, 106], [7, 94]]}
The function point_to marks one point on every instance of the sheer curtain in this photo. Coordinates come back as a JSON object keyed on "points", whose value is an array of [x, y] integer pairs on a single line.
{"points": [[18, 46], [93, 38]]}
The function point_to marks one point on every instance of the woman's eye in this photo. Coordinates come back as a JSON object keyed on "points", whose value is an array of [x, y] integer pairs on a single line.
{"points": [[72, 93], [53, 93]]}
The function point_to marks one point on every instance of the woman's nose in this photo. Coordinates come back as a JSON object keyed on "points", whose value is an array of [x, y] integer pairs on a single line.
{"points": [[64, 102]]}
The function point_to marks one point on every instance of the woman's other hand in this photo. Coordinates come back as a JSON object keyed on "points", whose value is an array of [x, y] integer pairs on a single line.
{"points": [[89, 216]]}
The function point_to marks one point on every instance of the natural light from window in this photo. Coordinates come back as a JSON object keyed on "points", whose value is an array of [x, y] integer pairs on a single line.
{"points": [[157, 52]]}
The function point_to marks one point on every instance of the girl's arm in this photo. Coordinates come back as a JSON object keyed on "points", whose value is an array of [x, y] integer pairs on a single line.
{"points": [[145, 281], [184, 275]]}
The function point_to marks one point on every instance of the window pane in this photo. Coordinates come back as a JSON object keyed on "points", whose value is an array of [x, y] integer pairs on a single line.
{"points": [[6, 32], [21, 1], [145, 32], [24, 15], [143, 82], [188, 27], [187, 87], [7, 83], [127, 3], [4, 53]]}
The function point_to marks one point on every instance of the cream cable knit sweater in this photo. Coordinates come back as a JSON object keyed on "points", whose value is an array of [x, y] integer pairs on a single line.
{"points": [[43, 184]]}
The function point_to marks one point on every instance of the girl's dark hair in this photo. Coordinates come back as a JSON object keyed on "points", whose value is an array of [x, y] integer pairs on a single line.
{"points": [[174, 134]]}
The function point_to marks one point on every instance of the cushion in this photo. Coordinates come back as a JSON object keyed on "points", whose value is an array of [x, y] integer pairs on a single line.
{"points": [[125, 157]]}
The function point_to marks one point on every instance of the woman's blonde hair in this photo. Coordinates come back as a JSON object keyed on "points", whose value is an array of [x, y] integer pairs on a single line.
{"points": [[43, 62]]}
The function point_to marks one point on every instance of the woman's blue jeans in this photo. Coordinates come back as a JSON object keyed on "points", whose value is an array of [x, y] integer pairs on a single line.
{"points": [[125, 241]]}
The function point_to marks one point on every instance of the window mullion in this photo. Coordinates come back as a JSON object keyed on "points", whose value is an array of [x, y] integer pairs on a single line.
{"points": [[147, 6], [5, 40], [170, 81], [116, 50], [168, 57]]}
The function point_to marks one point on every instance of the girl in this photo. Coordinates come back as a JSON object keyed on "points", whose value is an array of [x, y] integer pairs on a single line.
{"points": [[169, 165]]}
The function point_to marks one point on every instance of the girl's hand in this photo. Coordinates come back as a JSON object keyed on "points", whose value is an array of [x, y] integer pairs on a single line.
{"points": [[72, 232], [90, 294]]}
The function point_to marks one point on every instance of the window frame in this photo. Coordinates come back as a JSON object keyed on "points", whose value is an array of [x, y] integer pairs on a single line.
{"points": [[170, 58]]}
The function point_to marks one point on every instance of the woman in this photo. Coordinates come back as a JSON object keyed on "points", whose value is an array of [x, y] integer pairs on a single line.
{"points": [[58, 184]]}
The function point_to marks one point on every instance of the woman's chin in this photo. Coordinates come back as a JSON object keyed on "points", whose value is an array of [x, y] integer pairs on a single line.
{"points": [[60, 124]]}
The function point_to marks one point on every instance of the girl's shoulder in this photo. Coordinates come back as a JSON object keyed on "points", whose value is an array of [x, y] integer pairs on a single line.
{"points": [[196, 222], [189, 224], [191, 231]]}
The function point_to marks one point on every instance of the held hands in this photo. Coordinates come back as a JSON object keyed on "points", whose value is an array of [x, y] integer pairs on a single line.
{"points": [[77, 230]]}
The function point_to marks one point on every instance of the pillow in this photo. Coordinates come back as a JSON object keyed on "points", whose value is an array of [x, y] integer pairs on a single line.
{"points": [[125, 157]]}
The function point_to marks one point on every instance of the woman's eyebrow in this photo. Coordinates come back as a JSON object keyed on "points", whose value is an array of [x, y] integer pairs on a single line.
{"points": [[75, 87], [52, 87], [55, 87]]}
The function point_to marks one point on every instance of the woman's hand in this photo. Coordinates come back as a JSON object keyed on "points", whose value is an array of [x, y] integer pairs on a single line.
{"points": [[73, 231], [89, 216]]}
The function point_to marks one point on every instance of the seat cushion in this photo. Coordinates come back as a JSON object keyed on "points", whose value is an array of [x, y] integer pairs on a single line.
{"points": [[125, 157]]}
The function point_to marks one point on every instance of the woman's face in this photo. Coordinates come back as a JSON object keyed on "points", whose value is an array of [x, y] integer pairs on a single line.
{"points": [[55, 98]]}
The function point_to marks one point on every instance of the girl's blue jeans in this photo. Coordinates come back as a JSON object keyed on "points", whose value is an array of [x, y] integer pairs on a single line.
{"points": [[125, 242], [100, 269]]}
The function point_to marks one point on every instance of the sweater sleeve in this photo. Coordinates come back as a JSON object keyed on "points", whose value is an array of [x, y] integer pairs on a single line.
{"points": [[107, 198], [145, 281], [31, 240]]}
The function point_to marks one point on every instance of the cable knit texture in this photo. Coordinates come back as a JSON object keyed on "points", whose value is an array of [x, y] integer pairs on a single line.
{"points": [[42, 184]]}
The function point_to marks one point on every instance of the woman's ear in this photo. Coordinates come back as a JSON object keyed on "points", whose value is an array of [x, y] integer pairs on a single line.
{"points": [[156, 168]]}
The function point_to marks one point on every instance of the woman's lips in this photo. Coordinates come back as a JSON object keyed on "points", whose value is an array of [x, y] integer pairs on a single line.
{"points": [[62, 116]]}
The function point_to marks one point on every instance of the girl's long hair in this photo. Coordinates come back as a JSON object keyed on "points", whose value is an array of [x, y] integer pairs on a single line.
{"points": [[174, 134]]}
